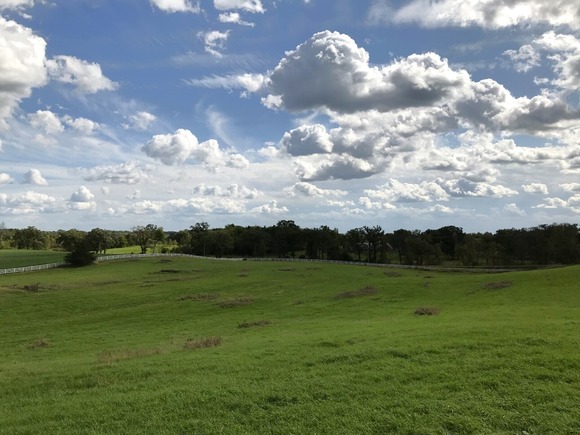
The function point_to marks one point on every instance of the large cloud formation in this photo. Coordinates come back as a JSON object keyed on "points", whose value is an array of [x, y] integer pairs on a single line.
{"points": [[183, 145], [22, 55], [489, 14]]}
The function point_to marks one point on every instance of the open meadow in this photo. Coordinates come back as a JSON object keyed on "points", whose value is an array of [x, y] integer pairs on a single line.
{"points": [[180, 345], [28, 257]]}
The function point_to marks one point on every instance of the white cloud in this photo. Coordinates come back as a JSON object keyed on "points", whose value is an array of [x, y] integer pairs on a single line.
{"points": [[468, 188], [215, 41], [82, 125], [177, 148], [396, 191], [566, 60], [311, 191], [86, 77], [16, 4], [269, 208], [232, 191], [331, 71], [524, 59], [22, 67], [47, 121], [535, 188], [491, 14], [252, 6], [33, 176], [5, 178], [177, 5], [29, 202], [571, 187], [306, 140], [124, 173], [140, 121], [233, 18], [82, 199]]}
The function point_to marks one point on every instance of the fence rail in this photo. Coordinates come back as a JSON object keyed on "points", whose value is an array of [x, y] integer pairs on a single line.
{"points": [[297, 260]]}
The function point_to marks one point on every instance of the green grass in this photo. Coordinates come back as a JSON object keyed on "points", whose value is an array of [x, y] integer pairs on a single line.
{"points": [[24, 257], [200, 346]]}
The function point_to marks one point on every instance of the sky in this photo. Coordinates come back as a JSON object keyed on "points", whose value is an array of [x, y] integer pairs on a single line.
{"points": [[405, 114]]}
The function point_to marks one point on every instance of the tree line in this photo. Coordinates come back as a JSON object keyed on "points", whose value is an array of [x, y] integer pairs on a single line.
{"points": [[540, 245]]}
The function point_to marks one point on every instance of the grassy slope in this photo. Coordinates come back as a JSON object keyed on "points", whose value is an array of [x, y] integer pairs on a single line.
{"points": [[101, 350], [24, 257]]}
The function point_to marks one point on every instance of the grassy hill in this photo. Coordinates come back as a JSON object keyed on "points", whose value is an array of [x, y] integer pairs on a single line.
{"points": [[199, 346]]}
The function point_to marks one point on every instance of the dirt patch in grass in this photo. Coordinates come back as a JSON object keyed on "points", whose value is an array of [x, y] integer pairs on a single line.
{"points": [[497, 285], [365, 291], [254, 324], [202, 343], [393, 274], [32, 288], [199, 297], [39, 344], [110, 357], [427, 311], [237, 302], [288, 269]]}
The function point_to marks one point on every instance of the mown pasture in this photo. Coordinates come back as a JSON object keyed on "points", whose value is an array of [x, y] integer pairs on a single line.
{"points": [[10, 258], [185, 345]]}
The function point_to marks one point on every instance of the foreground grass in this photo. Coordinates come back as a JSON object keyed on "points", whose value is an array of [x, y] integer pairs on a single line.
{"points": [[25, 257], [192, 346]]}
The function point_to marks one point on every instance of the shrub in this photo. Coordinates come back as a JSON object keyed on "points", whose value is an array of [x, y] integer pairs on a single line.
{"points": [[80, 257]]}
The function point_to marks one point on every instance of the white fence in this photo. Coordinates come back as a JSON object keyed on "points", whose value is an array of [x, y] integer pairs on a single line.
{"points": [[301, 260]]}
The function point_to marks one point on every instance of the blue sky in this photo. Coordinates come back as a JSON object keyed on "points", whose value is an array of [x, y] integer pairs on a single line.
{"points": [[415, 114]]}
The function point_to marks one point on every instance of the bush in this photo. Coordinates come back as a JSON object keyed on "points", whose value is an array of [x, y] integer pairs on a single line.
{"points": [[80, 257]]}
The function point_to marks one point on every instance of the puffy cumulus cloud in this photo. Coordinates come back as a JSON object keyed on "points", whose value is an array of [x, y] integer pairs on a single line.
{"points": [[82, 199], [140, 121], [22, 67], [232, 191], [489, 14], [524, 59], [311, 191], [572, 203], [34, 177], [566, 58], [269, 208], [177, 148], [16, 4], [215, 41], [47, 121], [341, 167], [571, 187], [396, 191], [467, 188], [124, 173], [177, 5], [81, 125], [29, 202], [86, 77], [306, 140], [535, 188], [233, 18], [252, 6], [5, 178], [331, 71]]}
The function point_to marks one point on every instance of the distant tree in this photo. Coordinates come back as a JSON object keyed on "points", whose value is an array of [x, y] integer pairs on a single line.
{"points": [[374, 237], [199, 237], [98, 240], [143, 236], [356, 241], [68, 240], [81, 255], [30, 238]]}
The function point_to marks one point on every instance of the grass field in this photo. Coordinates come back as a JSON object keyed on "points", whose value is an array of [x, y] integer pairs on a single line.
{"points": [[198, 346], [27, 257]]}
